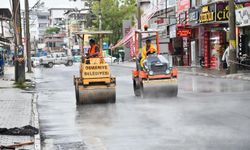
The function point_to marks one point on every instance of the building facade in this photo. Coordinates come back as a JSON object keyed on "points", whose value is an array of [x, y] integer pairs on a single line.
{"points": [[54, 42], [39, 22], [6, 33], [243, 28], [202, 30]]}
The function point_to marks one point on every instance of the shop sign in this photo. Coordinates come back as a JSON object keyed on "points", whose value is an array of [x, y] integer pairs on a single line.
{"points": [[240, 1], [182, 5], [240, 45], [193, 16], [222, 11], [207, 13], [243, 16], [172, 31], [182, 18], [183, 32]]}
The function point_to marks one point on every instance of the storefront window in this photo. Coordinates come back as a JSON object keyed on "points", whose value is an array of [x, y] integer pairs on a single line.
{"points": [[217, 41], [247, 41]]}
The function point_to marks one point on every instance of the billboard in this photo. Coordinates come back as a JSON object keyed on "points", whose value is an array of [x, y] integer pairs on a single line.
{"points": [[182, 5]]}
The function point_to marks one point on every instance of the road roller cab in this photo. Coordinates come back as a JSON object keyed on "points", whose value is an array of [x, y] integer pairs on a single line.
{"points": [[95, 83], [156, 78]]}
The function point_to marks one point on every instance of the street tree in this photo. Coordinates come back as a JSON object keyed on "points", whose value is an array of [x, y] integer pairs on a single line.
{"points": [[52, 30], [113, 13]]}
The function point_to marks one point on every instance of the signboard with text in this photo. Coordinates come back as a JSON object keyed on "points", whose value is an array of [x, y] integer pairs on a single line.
{"points": [[222, 10], [207, 13], [172, 31], [243, 17], [182, 5], [193, 16], [183, 32]]}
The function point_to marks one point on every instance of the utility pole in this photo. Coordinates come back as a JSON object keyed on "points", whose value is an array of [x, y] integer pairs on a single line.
{"points": [[27, 41], [100, 15], [2, 28], [232, 38], [19, 55], [139, 22]]}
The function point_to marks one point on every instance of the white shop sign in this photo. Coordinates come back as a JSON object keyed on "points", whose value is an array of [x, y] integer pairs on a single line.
{"points": [[172, 31], [243, 17]]}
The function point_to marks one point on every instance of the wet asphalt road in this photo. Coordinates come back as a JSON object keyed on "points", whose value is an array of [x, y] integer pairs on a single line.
{"points": [[208, 114]]}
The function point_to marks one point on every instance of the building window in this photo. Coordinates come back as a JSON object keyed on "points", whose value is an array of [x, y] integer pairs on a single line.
{"points": [[42, 17], [42, 25]]}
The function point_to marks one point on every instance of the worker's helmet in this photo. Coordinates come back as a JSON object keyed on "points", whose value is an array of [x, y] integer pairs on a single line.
{"points": [[148, 41], [91, 41], [145, 27]]}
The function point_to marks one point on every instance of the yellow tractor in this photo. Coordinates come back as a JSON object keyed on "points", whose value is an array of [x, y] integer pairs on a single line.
{"points": [[95, 83]]}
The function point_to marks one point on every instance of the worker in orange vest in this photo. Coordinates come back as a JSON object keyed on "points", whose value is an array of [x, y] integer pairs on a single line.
{"points": [[147, 50], [94, 50]]}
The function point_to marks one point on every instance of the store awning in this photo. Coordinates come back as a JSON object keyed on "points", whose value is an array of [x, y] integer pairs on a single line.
{"points": [[5, 14], [5, 40]]}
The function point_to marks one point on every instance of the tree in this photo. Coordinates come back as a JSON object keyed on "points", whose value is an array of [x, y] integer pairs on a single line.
{"points": [[52, 30], [113, 13]]}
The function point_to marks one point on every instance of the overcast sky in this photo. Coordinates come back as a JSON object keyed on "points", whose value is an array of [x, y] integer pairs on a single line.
{"points": [[48, 3]]}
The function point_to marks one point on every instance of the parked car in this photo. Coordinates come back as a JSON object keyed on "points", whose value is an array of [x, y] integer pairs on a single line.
{"points": [[56, 59], [35, 61], [77, 58], [110, 59]]}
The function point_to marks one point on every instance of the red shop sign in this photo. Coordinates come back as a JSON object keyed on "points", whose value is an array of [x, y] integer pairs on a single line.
{"points": [[184, 32]]}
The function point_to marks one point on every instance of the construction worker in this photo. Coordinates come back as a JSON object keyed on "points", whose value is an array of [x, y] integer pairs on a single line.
{"points": [[148, 49], [94, 50]]}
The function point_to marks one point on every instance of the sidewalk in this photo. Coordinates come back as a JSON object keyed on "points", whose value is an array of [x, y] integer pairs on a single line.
{"points": [[241, 75], [17, 109], [125, 64]]}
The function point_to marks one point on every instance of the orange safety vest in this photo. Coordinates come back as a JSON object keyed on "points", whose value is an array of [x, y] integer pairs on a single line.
{"points": [[92, 49]]}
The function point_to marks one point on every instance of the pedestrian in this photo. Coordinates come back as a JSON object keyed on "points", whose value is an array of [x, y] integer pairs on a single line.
{"points": [[1, 64], [120, 57], [13, 59], [225, 57], [123, 55]]}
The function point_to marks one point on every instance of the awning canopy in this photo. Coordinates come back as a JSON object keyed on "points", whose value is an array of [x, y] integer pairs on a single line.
{"points": [[5, 14], [93, 32]]}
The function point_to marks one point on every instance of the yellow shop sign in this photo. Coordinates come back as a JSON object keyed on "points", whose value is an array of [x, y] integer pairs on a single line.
{"points": [[206, 17], [207, 13]]}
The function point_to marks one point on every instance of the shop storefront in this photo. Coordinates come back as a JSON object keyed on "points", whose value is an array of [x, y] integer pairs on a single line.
{"points": [[243, 24], [193, 21], [215, 32], [181, 43], [243, 41]]}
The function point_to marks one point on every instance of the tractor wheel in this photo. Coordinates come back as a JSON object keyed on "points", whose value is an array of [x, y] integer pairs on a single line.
{"points": [[50, 65], [136, 85]]}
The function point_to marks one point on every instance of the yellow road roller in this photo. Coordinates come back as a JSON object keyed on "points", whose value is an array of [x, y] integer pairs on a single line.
{"points": [[95, 83]]}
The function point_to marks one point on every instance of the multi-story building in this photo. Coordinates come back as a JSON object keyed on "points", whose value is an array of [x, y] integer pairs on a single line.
{"points": [[54, 42], [39, 22], [6, 31], [162, 18], [203, 30], [75, 21]]}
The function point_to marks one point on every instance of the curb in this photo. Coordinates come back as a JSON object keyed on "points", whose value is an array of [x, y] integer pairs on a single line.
{"points": [[125, 66], [200, 74], [214, 76], [35, 120]]}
